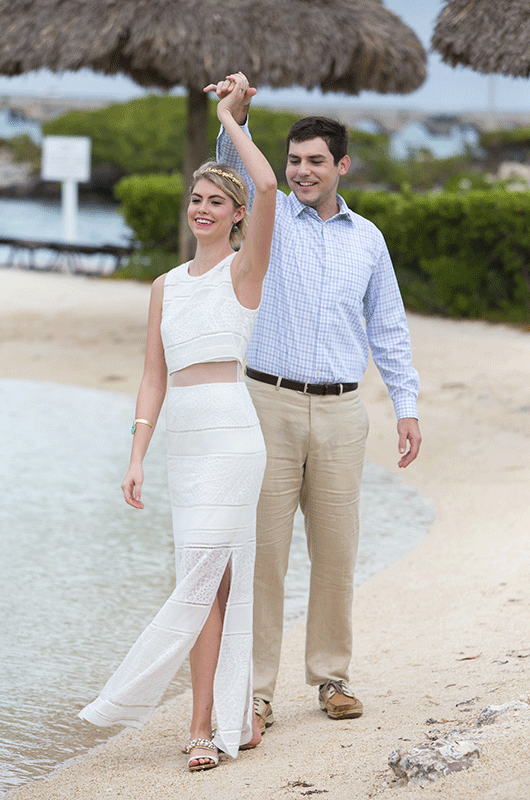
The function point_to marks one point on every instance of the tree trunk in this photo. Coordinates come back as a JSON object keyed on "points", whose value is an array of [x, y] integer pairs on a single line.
{"points": [[195, 153]]}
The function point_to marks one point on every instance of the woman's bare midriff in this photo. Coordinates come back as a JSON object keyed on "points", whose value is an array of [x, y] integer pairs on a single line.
{"points": [[210, 372]]}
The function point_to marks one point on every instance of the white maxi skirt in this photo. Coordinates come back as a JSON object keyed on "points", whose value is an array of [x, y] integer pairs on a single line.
{"points": [[216, 461]]}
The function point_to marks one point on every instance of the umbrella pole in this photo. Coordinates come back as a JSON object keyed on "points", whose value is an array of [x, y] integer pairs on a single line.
{"points": [[195, 153]]}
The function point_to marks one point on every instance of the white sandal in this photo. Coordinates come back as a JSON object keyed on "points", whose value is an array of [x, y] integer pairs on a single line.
{"points": [[202, 744]]}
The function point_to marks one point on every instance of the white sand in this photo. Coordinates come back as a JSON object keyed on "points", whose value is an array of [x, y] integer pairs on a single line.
{"points": [[439, 635]]}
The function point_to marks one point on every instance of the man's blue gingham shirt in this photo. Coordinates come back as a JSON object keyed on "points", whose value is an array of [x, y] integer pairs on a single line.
{"points": [[324, 278]]}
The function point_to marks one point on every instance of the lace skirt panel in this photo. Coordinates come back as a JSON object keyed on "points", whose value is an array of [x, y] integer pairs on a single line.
{"points": [[216, 461]]}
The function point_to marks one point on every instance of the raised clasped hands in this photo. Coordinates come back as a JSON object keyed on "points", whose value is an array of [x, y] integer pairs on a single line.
{"points": [[234, 95]]}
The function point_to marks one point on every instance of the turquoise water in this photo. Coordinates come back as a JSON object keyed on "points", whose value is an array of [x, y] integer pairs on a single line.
{"points": [[83, 573]]}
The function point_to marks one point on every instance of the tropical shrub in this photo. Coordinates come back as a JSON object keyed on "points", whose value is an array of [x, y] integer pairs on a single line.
{"points": [[150, 205], [373, 163], [146, 135], [146, 265], [23, 148], [506, 145], [458, 255]]}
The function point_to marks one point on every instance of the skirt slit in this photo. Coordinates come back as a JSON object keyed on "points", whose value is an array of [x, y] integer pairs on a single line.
{"points": [[216, 460]]}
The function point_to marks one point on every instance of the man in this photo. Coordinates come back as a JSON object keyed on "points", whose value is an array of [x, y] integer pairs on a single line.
{"points": [[329, 270]]}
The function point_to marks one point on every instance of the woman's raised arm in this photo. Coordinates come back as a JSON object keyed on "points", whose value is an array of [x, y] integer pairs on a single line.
{"points": [[250, 264]]}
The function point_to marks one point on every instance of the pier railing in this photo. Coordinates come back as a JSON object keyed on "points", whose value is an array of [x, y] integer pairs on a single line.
{"points": [[63, 256]]}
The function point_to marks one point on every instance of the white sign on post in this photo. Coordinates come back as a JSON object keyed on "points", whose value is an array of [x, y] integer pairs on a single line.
{"points": [[67, 159]]}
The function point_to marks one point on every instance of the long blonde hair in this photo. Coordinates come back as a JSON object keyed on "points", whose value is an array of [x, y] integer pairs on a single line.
{"points": [[232, 184]]}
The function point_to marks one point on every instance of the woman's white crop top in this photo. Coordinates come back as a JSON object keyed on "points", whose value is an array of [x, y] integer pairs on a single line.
{"points": [[202, 319]]}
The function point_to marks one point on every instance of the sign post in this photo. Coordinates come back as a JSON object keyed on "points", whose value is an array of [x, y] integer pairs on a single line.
{"points": [[67, 159]]}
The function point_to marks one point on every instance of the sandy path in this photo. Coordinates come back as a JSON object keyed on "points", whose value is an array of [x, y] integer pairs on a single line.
{"points": [[439, 636]]}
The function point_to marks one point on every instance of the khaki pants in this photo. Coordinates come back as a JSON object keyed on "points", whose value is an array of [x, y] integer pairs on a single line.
{"points": [[315, 453]]}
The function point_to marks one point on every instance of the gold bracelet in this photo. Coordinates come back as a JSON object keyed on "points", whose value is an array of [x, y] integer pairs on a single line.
{"points": [[145, 421]]}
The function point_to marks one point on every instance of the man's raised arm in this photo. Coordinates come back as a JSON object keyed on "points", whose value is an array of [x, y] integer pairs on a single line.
{"points": [[226, 153]]}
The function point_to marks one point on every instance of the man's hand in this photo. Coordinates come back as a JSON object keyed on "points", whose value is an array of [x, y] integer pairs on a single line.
{"points": [[409, 431], [222, 89]]}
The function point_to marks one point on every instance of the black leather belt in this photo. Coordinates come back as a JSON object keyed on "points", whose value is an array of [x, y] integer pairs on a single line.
{"points": [[298, 386]]}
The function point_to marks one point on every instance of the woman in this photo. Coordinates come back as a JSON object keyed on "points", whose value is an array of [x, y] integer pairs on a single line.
{"points": [[200, 319]]}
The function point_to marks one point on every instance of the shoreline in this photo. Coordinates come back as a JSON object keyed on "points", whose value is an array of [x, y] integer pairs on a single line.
{"points": [[439, 635], [139, 554]]}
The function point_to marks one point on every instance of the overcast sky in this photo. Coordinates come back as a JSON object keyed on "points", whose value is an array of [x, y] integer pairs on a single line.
{"points": [[445, 89]]}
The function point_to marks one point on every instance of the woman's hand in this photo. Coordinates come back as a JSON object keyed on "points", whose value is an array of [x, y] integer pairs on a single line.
{"points": [[234, 95], [132, 486]]}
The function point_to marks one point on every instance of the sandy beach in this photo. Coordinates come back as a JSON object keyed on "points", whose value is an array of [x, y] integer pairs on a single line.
{"points": [[439, 636]]}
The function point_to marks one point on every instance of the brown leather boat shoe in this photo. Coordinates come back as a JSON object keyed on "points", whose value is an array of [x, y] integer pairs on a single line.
{"points": [[338, 701], [264, 714]]}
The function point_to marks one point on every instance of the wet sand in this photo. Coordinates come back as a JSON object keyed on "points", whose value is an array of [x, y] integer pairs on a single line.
{"points": [[439, 635]]}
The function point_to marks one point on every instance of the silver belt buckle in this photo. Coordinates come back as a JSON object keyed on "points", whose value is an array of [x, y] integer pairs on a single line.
{"points": [[341, 388], [305, 388]]}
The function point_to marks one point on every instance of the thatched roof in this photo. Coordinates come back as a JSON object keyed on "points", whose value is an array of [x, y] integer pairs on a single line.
{"points": [[490, 36], [339, 45]]}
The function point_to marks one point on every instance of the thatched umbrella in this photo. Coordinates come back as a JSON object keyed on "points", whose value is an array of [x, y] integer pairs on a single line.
{"points": [[490, 36], [337, 45]]}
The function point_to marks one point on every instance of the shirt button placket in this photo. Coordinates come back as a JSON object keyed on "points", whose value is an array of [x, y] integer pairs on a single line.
{"points": [[322, 305]]}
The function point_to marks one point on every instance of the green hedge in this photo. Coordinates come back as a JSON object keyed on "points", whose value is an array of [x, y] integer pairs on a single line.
{"points": [[456, 254], [459, 255], [505, 138], [150, 205], [23, 148], [146, 265], [506, 145]]}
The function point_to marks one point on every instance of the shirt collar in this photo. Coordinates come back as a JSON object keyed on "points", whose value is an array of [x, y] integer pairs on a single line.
{"points": [[298, 208]]}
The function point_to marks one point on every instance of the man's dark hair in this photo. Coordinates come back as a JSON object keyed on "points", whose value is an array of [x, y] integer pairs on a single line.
{"points": [[334, 134]]}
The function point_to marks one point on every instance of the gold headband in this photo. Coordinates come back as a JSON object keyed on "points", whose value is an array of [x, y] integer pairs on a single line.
{"points": [[226, 175]]}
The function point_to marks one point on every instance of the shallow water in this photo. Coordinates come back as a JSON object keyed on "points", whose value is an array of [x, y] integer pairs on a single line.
{"points": [[97, 224], [83, 573]]}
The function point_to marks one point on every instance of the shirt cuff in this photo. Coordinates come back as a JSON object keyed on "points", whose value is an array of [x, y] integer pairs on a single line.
{"points": [[244, 127], [406, 407]]}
